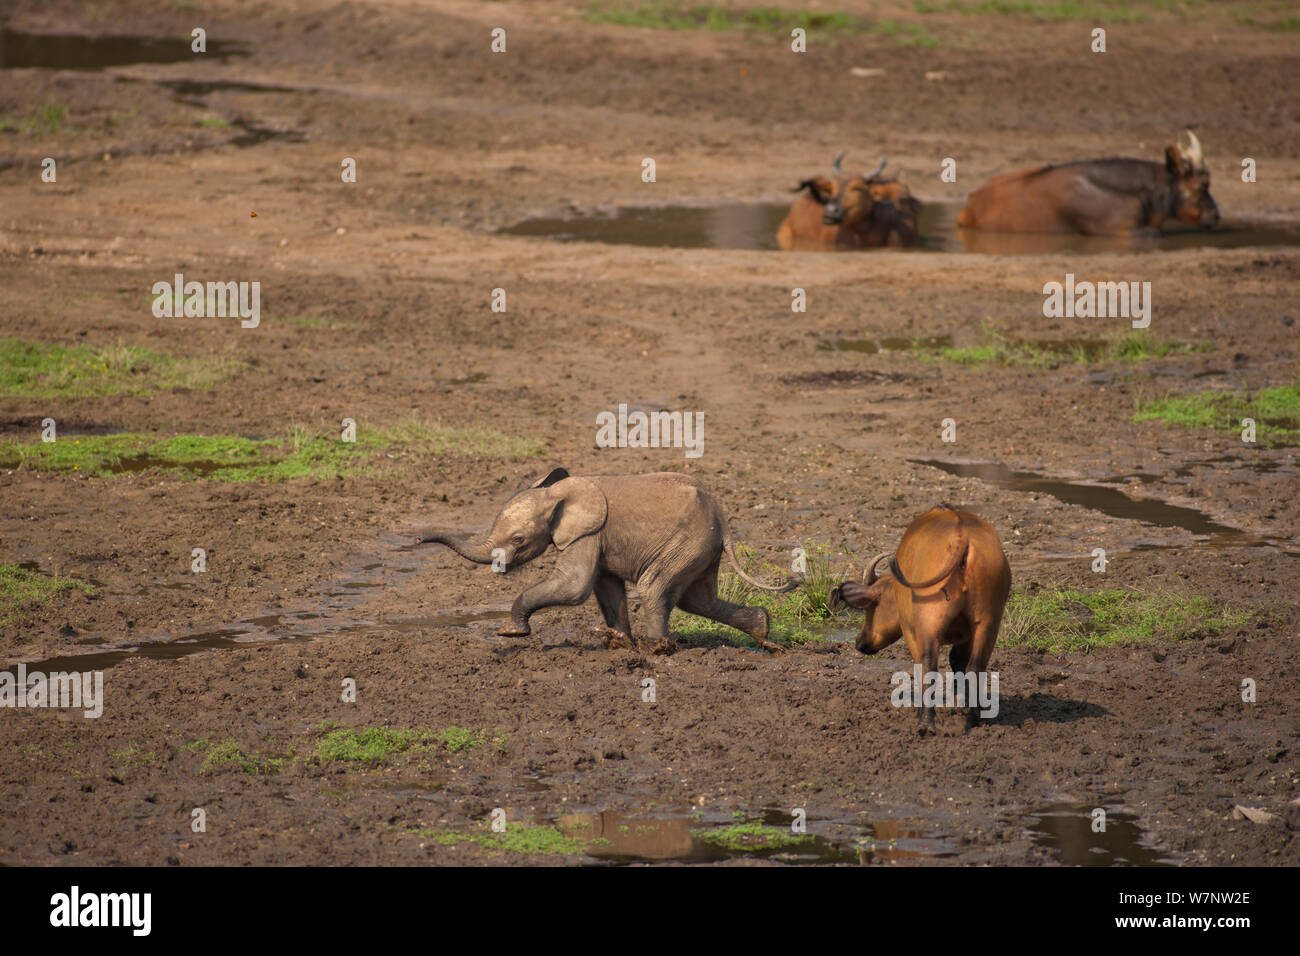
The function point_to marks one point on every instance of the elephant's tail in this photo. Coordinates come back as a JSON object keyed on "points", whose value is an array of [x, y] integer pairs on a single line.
{"points": [[790, 584]]}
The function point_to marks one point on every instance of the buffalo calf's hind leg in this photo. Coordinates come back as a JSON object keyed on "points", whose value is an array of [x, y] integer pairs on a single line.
{"points": [[959, 661], [929, 665], [981, 652]]}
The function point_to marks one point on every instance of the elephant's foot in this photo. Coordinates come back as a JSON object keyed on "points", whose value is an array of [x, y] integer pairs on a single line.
{"points": [[758, 630], [614, 639], [665, 646], [515, 629]]}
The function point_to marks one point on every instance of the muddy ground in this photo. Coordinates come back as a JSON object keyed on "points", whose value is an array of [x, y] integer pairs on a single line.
{"points": [[802, 444]]}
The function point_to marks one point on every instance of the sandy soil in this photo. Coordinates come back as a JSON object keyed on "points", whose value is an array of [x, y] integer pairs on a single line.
{"points": [[802, 445]]}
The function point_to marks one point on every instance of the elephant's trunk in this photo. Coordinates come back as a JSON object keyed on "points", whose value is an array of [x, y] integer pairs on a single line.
{"points": [[478, 552]]}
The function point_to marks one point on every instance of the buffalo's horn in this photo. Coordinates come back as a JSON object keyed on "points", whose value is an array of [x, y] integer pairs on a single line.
{"points": [[1193, 151], [877, 171], [835, 166], [869, 575]]}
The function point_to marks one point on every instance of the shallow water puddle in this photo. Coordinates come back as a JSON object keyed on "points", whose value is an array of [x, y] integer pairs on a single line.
{"points": [[163, 650], [338, 610], [71, 51], [740, 225], [709, 838], [886, 344], [1113, 502], [1067, 831], [265, 629]]}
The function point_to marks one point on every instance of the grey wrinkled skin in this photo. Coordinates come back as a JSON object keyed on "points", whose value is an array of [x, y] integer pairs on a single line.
{"points": [[663, 532]]}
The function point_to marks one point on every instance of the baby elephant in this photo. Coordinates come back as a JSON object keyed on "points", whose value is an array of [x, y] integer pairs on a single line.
{"points": [[955, 589], [662, 532]]}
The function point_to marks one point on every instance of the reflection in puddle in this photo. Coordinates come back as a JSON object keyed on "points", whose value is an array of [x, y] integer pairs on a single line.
{"points": [[1113, 502], [1067, 831], [739, 225], [70, 51], [700, 838]]}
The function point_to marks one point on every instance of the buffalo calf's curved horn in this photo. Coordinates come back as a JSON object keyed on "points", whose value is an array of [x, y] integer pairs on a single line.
{"points": [[835, 166], [1193, 151], [869, 574], [877, 171]]}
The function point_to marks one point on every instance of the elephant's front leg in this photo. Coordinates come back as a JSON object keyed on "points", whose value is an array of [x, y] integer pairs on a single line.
{"points": [[575, 575], [611, 594]]}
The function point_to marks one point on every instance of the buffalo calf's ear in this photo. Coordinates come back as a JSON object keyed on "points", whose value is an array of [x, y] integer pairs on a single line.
{"points": [[820, 189], [855, 595]]}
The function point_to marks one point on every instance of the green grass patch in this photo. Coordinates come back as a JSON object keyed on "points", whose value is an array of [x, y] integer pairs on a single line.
{"points": [[25, 588], [375, 745], [224, 753], [777, 21], [40, 371], [1093, 11], [1276, 412], [702, 16], [797, 617], [1282, 25], [299, 454], [1058, 619], [1279, 16], [317, 322], [997, 350], [546, 841], [48, 118], [133, 757], [751, 838]]}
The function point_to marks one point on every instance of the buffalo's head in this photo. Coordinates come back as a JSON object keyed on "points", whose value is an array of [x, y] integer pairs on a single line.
{"points": [[1189, 178], [875, 595], [851, 200]]}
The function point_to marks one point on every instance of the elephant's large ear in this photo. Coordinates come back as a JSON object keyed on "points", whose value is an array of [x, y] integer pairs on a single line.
{"points": [[580, 509], [550, 478]]}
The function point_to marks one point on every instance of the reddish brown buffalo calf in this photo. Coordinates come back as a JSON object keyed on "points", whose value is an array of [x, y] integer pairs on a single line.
{"points": [[855, 212], [947, 584]]}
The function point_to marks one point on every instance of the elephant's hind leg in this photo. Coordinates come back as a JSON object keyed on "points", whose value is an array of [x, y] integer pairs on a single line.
{"points": [[702, 598]]}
